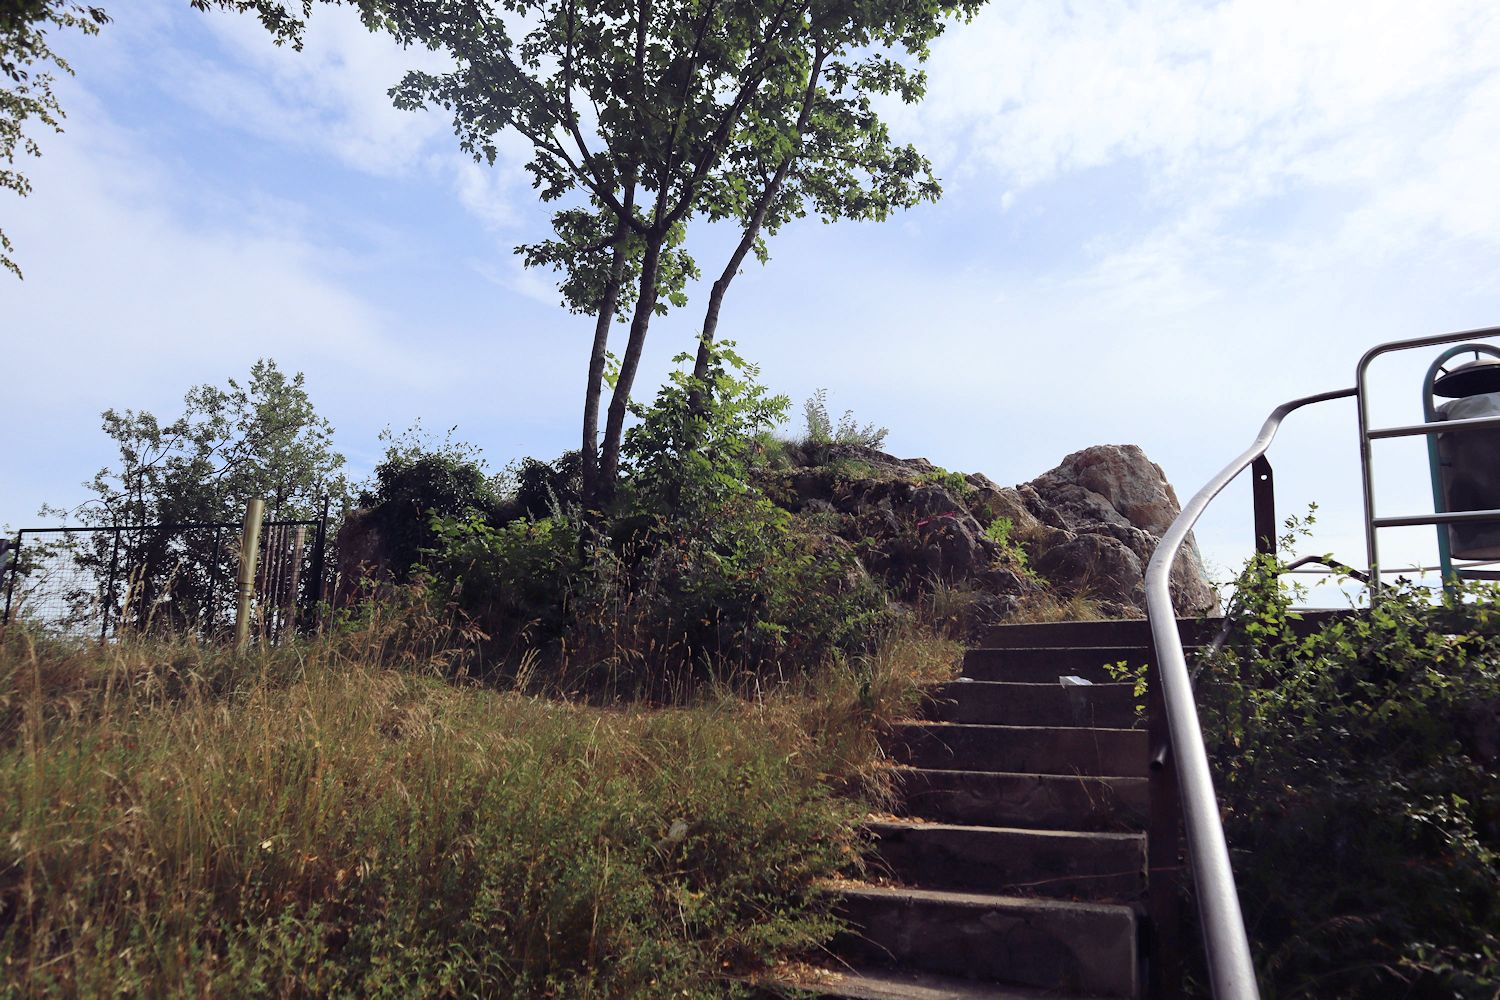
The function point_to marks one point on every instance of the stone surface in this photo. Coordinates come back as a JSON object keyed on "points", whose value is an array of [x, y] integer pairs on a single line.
{"points": [[1087, 527], [1073, 947], [1063, 864], [1117, 503], [1032, 801], [1118, 753]]}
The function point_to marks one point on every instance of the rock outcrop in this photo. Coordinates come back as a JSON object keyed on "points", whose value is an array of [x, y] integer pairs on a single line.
{"points": [[1116, 503], [1086, 528]]}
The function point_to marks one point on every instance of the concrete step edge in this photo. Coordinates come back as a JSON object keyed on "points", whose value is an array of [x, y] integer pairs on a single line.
{"points": [[1007, 831], [861, 983]]}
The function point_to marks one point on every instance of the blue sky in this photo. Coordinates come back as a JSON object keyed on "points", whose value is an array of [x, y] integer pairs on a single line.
{"points": [[1160, 221]]}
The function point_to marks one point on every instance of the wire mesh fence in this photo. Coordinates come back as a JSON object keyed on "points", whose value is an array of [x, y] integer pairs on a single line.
{"points": [[102, 582]]}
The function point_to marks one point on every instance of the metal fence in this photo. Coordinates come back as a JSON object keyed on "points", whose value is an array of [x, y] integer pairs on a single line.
{"points": [[101, 582]]}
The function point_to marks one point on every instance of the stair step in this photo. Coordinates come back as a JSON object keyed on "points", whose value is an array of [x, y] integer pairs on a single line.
{"points": [[1034, 801], [1087, 948], [1053, 863], [1029, 749], [1035, 704], [893, 984], [1044, 665]]}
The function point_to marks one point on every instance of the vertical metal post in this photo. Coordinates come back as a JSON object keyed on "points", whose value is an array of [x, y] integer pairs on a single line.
{"points": [[249, 554], [15, 571], [294, 585], [211, 615], [1263, 487], [315, 589], [1163, 849], [109, 585]]}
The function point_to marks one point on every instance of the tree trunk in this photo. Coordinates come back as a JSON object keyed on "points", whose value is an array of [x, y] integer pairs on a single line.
{"points": [[595, 387], [619, 402], [747, 239]]}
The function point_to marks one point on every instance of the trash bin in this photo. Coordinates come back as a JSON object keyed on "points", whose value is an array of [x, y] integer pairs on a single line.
{"points": [[1467, 465]]}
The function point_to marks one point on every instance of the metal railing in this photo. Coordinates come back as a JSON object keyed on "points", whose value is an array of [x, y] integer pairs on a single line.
{"points": [[1226, 946]]}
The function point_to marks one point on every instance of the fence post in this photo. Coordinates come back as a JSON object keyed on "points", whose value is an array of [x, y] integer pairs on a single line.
{"points": [[249, 554], [315, 591], [13, 566], [109, 586]]}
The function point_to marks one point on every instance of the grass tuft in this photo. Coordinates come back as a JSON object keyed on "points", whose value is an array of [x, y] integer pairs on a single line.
{"points": [[338, 816]]}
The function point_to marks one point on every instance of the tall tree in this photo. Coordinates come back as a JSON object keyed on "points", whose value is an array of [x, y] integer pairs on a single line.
{"points": [[654, 111], [666, 83], [258, 439]]}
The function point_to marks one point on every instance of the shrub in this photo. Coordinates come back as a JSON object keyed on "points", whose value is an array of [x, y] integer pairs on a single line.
{"points": [[1000, 532], [1360, 775], [696, 575], [419, 480], [821, 429], [549, 489], [514, 581]]}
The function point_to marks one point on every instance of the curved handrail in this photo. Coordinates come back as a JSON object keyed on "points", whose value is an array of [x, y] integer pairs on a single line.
{"points": [[1230, 970]]}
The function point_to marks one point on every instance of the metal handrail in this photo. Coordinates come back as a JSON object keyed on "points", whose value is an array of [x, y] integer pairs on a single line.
{"points": [[1230, 971]]}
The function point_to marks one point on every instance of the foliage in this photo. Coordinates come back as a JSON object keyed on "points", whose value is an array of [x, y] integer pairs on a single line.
{"points": [[27, 95], [549, 488], [821, 429], [1360, 771], [329, 819], [261, 439], [745, 111], [419, 480], [954, 482], [516, 580], [999, 532], [697, 577], [680, 458]]}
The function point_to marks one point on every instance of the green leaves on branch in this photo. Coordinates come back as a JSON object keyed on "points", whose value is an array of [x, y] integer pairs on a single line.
{"points": [[1359, 768]]}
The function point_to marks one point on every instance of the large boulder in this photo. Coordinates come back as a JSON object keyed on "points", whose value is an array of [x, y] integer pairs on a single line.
{"points": [[1116, 504]]}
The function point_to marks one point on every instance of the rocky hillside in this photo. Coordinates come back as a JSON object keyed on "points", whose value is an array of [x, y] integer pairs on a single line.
{"points": [[1086, 528]]}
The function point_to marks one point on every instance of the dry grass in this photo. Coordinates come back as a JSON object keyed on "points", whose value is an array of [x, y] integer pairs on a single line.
{"points": [[340, 817], [1050, 606]]}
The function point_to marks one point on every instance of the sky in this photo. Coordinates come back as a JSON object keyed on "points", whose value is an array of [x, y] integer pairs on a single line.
{"points": [[1160, 220]]}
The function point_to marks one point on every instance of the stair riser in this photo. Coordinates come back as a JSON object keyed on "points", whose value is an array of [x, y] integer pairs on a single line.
{"points": [[1045, 666], [1108, 705], [1009, 862], [1115, 752], [1070, 949], [1028, 801]]}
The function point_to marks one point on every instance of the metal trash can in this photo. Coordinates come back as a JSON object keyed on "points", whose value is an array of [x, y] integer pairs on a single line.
{"points": [[1466, 466]]}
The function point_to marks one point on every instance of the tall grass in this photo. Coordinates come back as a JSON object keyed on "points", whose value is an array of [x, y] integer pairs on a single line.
{"points": [[338, 817]]}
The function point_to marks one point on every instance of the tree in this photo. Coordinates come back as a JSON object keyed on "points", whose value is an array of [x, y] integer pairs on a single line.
{"points": [[24, 54], [654, 112], [261, 439]]}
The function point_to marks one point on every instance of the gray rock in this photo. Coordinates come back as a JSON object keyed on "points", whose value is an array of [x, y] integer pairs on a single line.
{"points": [[1117, 496]]}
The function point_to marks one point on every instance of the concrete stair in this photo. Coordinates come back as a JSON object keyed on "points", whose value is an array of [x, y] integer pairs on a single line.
{"points": [[1016, 863]]}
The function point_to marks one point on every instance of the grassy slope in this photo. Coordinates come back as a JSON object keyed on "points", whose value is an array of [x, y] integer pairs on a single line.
{"points": [[333, 818]]}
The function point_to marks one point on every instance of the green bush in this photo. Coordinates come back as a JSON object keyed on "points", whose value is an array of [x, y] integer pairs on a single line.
{"points": [[822, 430], [420, 480], [1360, 773], [694, 574], [515, 580]]}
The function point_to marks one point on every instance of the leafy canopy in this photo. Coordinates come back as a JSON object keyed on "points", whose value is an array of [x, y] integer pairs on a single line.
{"points": [[260, 439]]}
